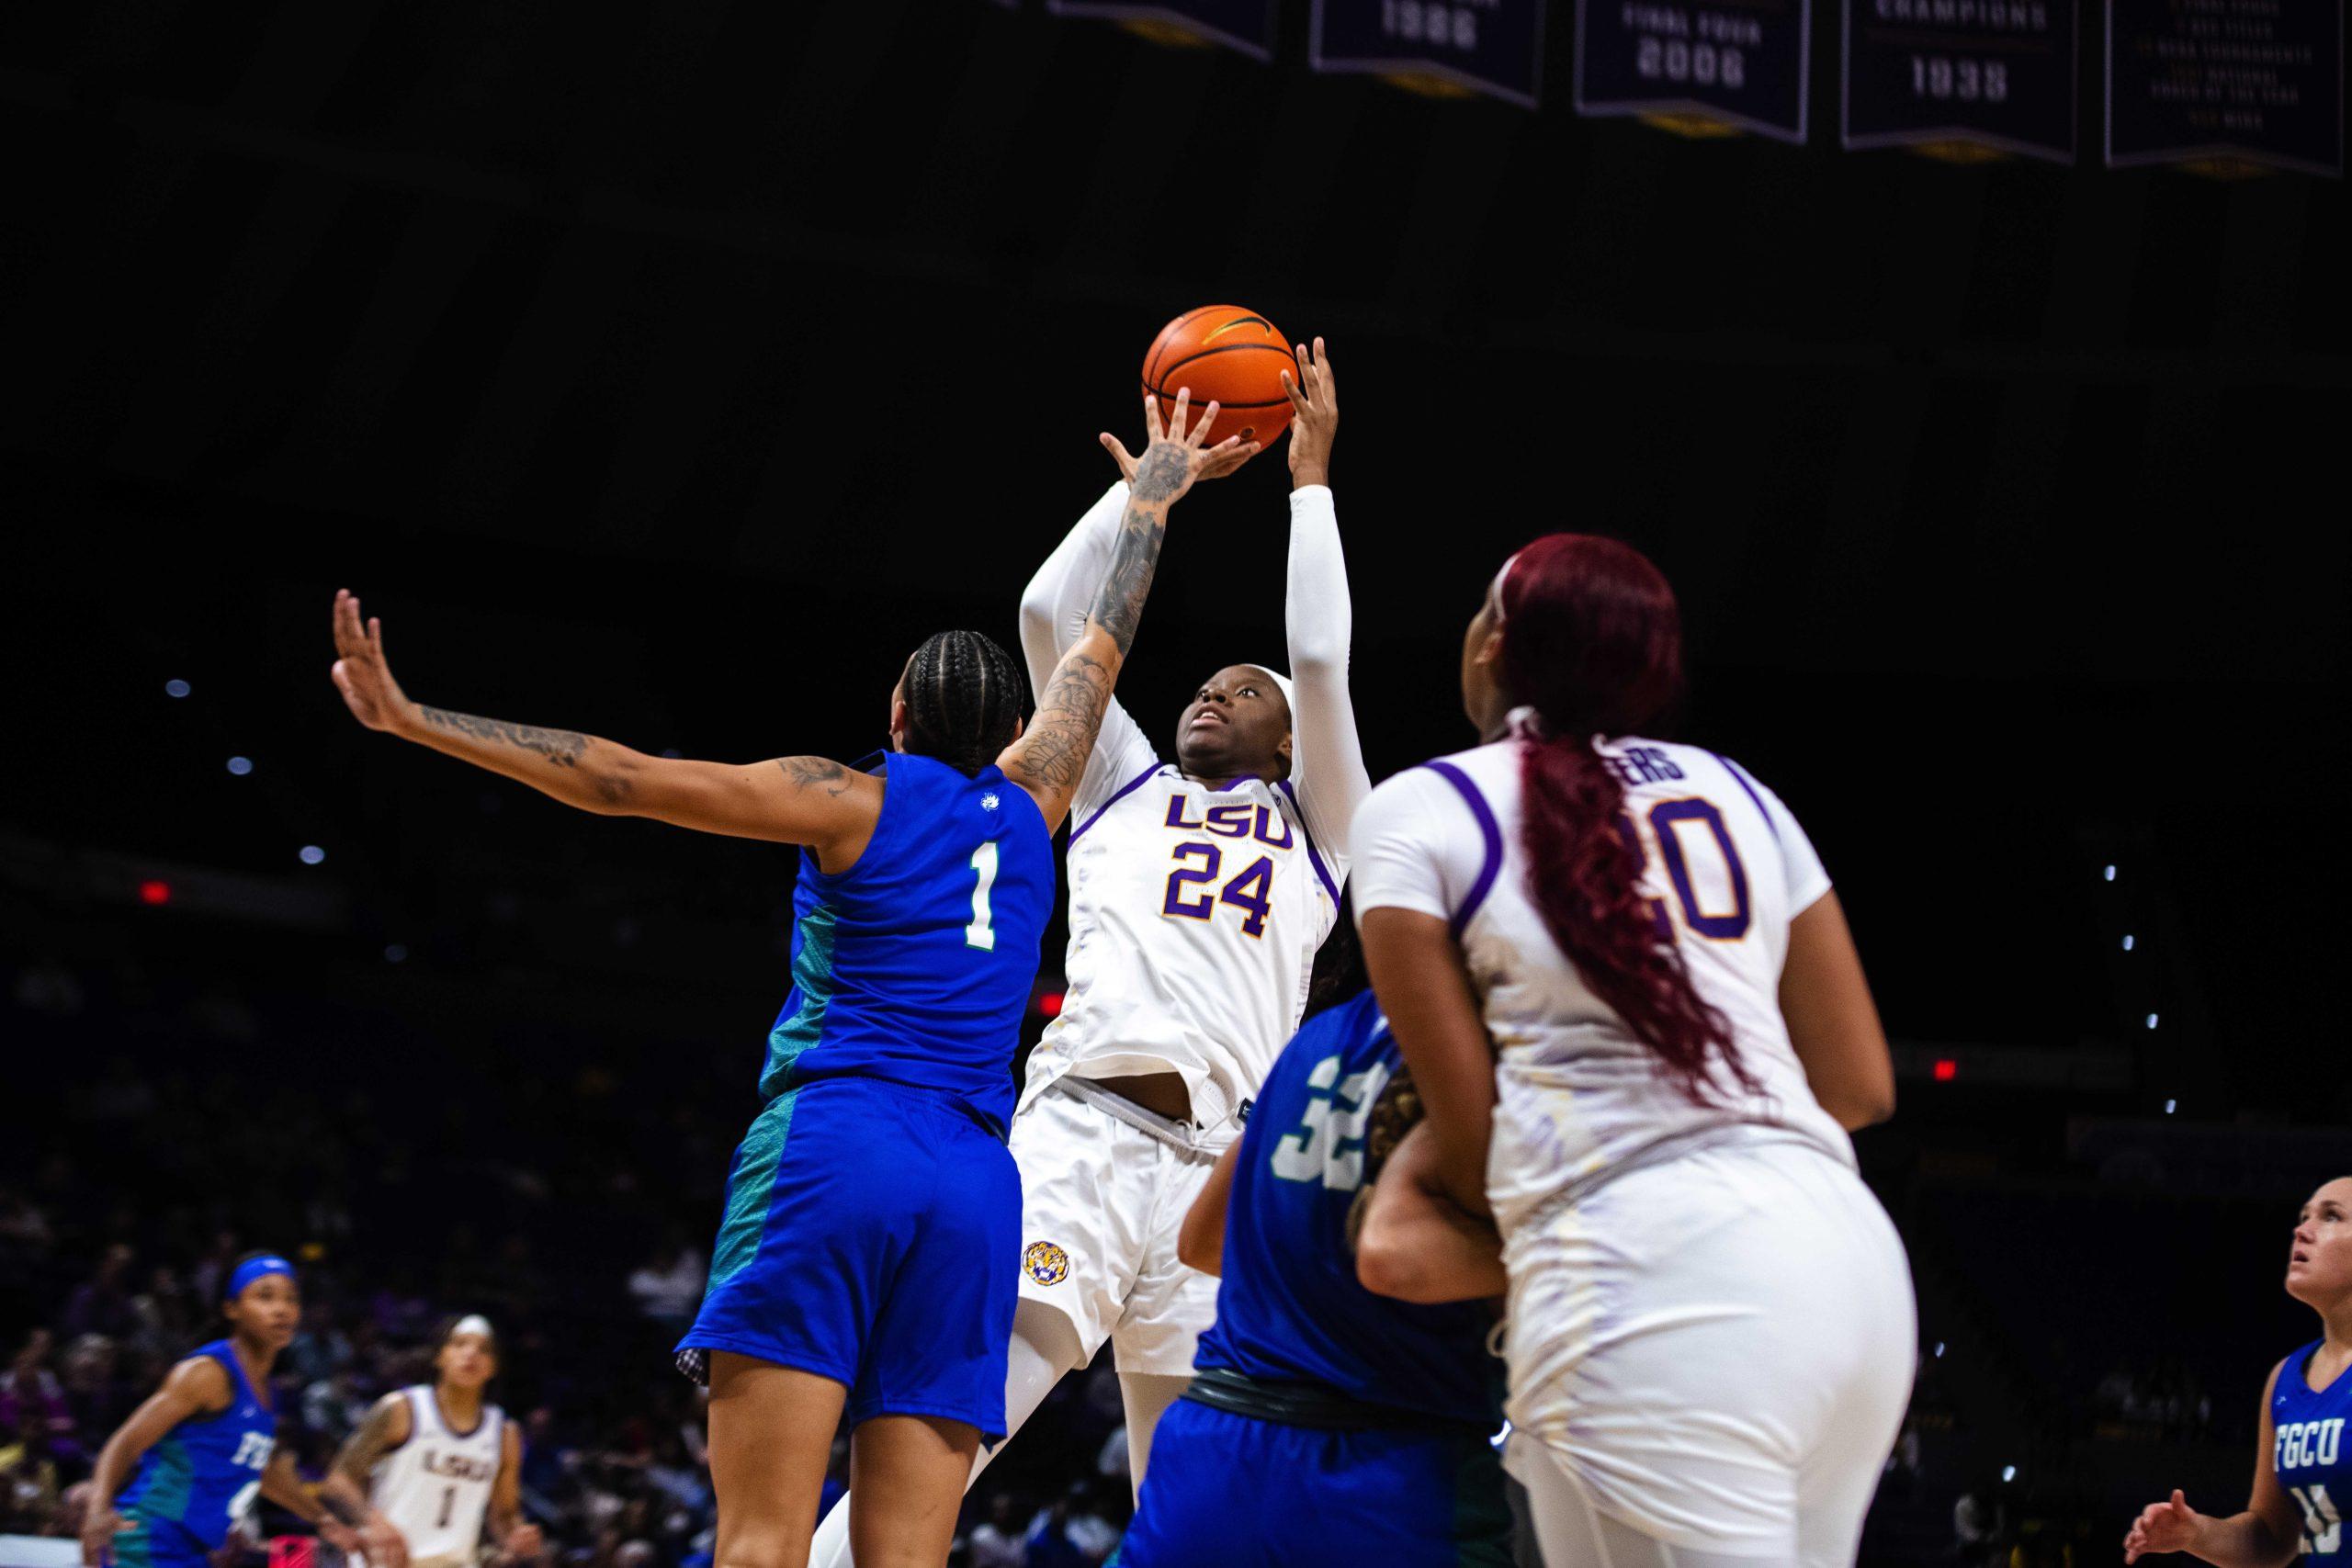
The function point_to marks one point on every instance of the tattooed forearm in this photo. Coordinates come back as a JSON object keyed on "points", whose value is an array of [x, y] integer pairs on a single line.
{"points": [[561, 746], [1118, 603], [816, 773], [1054, 751], [369, 1443]]}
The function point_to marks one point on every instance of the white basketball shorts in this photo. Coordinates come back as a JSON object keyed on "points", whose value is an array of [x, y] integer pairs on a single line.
{"points": [[1714, 1352], [1105, 1186]]}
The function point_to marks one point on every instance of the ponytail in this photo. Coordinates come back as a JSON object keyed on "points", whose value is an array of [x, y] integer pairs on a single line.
{"points": [[1592, 640], [1584, 875]]}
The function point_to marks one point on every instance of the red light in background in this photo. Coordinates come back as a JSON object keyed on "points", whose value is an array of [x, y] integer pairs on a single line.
{"points": [[153, 891], [1946, 1069], [1049, 1004]]}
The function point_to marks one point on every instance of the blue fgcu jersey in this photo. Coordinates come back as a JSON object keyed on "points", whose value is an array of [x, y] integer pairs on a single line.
{"points": [[914, 966], [2309, 1451], [1290, 1308], [202, 1474]]}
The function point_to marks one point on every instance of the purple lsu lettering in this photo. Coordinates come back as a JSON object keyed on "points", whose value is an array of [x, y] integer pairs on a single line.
{"points": [[1199, 862]]}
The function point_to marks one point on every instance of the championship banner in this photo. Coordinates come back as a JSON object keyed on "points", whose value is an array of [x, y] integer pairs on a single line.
{"points": [[1487, 46], [2226, 82], [1997, 73], [1245, 24], [1739, 62]]}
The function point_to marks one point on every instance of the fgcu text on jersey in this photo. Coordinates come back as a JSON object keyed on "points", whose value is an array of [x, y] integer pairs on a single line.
{"points": [[2308, 1449]]}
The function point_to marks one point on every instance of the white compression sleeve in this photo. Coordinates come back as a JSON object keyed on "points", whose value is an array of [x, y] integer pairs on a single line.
{"points": [[1045, 1348], [1327, 756]]}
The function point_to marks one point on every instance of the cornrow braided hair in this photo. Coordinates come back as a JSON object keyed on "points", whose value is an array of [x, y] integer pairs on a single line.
{"points": [[964, 697]]}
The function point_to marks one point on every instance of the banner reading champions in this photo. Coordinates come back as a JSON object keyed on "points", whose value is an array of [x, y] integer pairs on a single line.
{"points": [[1997, 72], [1742, 62], [1245, 24], [1490, 45], [2255, 81]]}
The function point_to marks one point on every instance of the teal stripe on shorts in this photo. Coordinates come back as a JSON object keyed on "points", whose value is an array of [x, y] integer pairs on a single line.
{"points": [[750, 1190]]}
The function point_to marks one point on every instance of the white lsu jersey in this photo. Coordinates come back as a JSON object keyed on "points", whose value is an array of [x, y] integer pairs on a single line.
{"points": [[436, 1487], [1195, 913], [1578, 1096]]}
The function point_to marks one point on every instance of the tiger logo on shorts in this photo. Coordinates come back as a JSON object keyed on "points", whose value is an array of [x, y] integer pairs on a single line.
{"points": [[1047, 1264]]}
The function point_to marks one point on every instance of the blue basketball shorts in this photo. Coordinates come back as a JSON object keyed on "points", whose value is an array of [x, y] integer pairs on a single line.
{"points": [[871, 1235], [1393, 1498], [159, 1543]]}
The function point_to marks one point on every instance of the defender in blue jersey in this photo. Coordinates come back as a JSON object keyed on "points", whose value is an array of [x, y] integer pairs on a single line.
{"points": [[2302, 1466], [867, 1259], [1363, 1425], [185, 1469]]}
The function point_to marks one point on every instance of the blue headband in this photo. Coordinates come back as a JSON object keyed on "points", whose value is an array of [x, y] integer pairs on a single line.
{"points": [[254, 1269]]}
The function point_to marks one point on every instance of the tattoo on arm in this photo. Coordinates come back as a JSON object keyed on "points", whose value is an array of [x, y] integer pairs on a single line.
{"points": [[561, 746], [1054, 751], [816, 773], [1159, 473], [1118, 603], [367, 1446]]}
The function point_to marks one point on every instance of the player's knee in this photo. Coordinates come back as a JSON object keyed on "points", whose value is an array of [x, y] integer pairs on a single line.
{"points": [[761, 1543]]}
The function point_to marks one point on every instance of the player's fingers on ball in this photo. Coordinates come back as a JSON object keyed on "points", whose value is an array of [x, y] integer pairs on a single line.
{"points": [[1291, 390], [1200, 432], [1177, 419], [1152, 416]]}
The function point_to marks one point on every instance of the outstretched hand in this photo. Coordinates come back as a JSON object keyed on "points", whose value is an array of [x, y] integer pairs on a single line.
{"points": [[360, 673], [1204, 463], [2162, 1526], [1315, 417]]}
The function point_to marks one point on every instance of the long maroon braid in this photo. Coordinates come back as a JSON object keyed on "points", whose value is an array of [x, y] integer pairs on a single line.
{"points": [[1592, 640]]}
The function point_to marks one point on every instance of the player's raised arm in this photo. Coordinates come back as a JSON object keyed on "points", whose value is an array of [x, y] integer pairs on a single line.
{"points": [[1052, 753], [793, 800], [1327, 758]]}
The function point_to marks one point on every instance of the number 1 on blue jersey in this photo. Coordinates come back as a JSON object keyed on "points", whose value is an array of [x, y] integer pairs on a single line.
{"points": [[979, 933]]}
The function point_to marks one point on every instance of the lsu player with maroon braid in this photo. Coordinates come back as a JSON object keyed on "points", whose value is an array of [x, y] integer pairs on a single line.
{"points": [[1632, 1010]]}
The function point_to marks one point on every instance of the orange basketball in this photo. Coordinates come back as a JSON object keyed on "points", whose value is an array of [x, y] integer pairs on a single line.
{"points": [[1224, 354]]}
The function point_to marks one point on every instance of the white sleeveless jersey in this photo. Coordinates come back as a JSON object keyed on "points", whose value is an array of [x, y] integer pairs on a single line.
{"points": [[1195, 913], [1579, 1097], [436, 1487]]}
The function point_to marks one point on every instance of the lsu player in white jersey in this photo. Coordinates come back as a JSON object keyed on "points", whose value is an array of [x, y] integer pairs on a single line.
{"points": [[434, 1461], [1199, 894], [1633, 1012]]}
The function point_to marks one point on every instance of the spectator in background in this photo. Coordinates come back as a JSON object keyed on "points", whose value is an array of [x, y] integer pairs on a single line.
{"points": [[29, 1472], [95, 1394], [320, 1349], [996, 1541], [166, 1317], [1048, 1544], [102, 1305], [31, 1389], [668, 1287], [212, 1271]]}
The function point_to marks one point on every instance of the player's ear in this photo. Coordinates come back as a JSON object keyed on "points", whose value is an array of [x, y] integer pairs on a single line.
{"points": [[1020, 728], [898, 724]]}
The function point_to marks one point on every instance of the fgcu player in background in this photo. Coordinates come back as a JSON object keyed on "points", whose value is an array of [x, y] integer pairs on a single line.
{"points": [[865, 1263], [1637, 1021], [204, 1444], [1365, 1426], [2302, 1465], [431, 1463]]}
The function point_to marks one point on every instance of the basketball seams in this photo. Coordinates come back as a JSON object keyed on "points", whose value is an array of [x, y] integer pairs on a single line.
{"points": [[1229, 348], [1170, 398], [1159, 344]]}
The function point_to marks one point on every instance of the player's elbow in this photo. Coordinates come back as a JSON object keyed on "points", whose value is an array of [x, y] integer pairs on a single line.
{"points": [[1860, 1105], [1387, 1265], [1318, 654]]}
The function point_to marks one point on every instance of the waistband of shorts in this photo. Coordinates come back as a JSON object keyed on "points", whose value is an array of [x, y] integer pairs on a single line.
{"points": [[1313, 1405], [1738, 1134], [1177, 1135]]}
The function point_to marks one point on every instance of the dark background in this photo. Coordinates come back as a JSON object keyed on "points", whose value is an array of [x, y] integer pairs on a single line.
{"points": [[669, 371]]}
